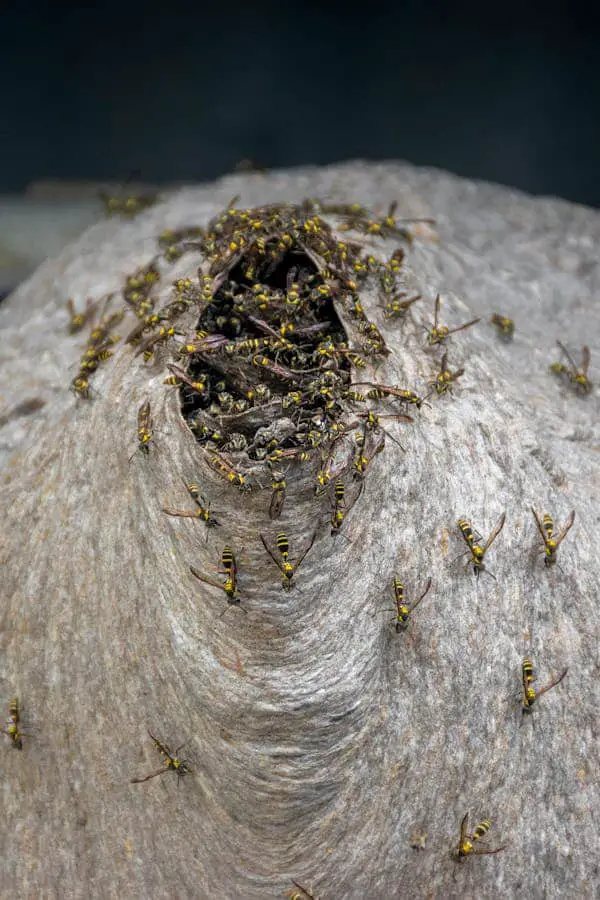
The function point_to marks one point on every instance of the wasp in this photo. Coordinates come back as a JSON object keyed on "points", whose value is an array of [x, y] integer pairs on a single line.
{"points": [[126, 205], [230, 570], [146, 324], [12, 725], [263, 362], [149, 345], [180, 377], [577, 375], [101, 330], [443, 380], [386, 227], [505, 326], [144, 430], [172, 763], [398, 305], [278, 487], [292, 398], [324, 474], [440, 332], [551, 543], [94, 355], [201, 512], [339, 506], [219, 464], [363, 460], [403, 612], [78, 320], [208, 343], [284, 565], [373, 423], [304, 892], [477, 551], [382, 391], [466, 844], [530, 695], [81, 386]]}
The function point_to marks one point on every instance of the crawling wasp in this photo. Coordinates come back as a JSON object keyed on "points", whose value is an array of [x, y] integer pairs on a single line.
{"points": [[339, 506], [78, 320], [101, 331], [278, 487], [284, 565], [179, 377], [126, 205], [12, 725], [382, 391], [577, 375], [386, 227], [228, 568], [398, 305], [204, 343], [201, 512], [146, 324], [551, 543], [81, 386], [219, 464], [466, 844], [530, 695], [149, 346], [304, 892], [440, 332], [363, 458], [144, 431], [505, 326], [477, 551], [403, 612], [372, 422], [443, 380], [171, 762]]}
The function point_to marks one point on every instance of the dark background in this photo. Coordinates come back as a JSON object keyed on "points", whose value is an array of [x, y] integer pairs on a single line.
{"points": [[100, 92]]}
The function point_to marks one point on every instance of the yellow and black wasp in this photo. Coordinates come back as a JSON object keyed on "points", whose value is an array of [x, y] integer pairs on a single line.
{"points": [[201, 512], [364, 457], [402, 611], [338, 514], [442, 382], [439, 333], [12, 725], [304, 894], [467, 844], [172, 763], [576, 375], [283, 564], [530, 695], [147, 323], [180, 377], [223, 467], [78, 320], [126, 204], [230, 570], [384, 391], [372, 422], [278, 488], [476, 549], [505, 326], [144, 430], [551, 541], [398, 305], [81, 386]]}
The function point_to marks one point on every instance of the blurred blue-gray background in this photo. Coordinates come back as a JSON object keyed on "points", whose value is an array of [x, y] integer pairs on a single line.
{"points": [[177, 92]]}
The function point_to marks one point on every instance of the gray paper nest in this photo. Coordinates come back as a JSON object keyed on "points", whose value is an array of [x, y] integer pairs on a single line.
{"points": [[324, 747]]}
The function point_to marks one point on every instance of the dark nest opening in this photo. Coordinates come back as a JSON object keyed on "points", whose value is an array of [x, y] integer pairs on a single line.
{"points": [[270, 363]]}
